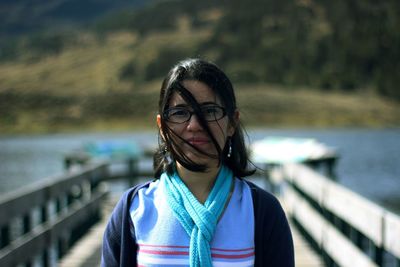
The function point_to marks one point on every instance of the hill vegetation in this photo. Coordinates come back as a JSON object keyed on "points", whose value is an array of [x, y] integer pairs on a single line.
{"points": [[294, 63], [26, 16]]}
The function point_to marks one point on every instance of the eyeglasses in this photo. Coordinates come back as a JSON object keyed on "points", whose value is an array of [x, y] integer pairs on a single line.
{"points": [[182, 114]]}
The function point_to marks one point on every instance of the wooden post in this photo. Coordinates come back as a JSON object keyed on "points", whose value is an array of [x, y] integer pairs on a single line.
{"points": [[378, 255], [5, 236], [62, 245], [70, 198], [44, 214], [58, 205], [26, 223], [45, 258]]}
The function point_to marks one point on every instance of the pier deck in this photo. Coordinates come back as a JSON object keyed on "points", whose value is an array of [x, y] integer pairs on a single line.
{"points": [[87, 251]]}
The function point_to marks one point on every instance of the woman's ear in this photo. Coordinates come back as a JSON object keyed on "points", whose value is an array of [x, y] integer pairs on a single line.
{"points": [[159, 121], [159, 126]]}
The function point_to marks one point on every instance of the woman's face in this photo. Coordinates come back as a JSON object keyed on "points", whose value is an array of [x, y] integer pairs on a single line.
{"points": [[191, 131]]}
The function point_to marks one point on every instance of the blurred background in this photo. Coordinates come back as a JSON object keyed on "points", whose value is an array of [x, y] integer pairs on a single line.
{"points": [[78, 70], [96, 64]]}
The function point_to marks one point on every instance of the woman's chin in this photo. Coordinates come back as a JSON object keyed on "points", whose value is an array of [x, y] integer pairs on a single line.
{"points": [[204, 160]]}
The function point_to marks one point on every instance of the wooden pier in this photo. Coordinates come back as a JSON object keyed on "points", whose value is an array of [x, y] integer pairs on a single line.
{"points": [[60, 222]]}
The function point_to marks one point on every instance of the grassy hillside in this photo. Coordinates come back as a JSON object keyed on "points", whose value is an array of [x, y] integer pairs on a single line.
{"points": [[109, 79], [273, 106], [115, 62], [260, 106], [89, 84]]}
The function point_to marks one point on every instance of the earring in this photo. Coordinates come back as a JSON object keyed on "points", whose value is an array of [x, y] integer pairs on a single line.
{"points": [[167, 155], [230, 148]]}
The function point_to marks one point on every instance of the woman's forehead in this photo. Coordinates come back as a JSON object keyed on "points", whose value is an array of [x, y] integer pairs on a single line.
{"points": [[199, 90]]}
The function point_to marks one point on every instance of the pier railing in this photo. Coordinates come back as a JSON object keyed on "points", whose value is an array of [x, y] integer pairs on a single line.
{"points": [[41, 221], [346, 228]]}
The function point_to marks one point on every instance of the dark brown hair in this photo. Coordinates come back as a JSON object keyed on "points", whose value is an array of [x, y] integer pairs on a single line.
{"points": [[168, 151]]}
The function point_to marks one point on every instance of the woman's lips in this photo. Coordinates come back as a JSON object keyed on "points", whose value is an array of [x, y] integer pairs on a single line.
{"points": [[198, 141]]}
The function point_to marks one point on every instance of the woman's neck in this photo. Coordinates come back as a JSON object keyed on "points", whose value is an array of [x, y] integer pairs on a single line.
{"points": [[199, 183]]}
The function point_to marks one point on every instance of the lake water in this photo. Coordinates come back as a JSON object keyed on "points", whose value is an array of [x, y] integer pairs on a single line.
{"points": [[369, 159]]}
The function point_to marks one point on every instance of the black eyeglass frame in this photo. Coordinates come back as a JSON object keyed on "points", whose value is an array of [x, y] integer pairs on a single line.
{"points": [[166, 116]]}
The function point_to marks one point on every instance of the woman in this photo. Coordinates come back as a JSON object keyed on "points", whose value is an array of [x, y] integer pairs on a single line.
{"points": [[198, 211]]}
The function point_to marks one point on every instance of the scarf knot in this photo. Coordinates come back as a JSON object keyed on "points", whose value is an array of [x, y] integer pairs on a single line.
{"points": [[198, 220]]}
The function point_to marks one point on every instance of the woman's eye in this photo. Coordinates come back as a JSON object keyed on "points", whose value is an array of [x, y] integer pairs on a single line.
{"points": [[179, 113], [210, 111]]}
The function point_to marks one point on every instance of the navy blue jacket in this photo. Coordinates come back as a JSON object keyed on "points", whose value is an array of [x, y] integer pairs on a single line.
{"points": [[272, 237]]}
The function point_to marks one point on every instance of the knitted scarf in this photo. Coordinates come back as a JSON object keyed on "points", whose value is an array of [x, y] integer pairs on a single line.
{"points": [[198, 220]]}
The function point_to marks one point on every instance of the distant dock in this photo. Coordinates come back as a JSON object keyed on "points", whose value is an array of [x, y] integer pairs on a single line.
{"points": [[60, 221]]}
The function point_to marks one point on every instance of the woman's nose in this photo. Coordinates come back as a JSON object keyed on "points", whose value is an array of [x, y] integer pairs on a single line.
{"points": [[194, 124]]}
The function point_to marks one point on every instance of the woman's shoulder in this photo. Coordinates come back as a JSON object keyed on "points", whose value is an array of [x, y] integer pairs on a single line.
{"points": [[262, 199], [129, 194], [256, 189], [145, 188]]}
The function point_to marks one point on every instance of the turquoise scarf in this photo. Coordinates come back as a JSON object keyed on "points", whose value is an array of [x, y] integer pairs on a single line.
{"points": [[198, 220]]}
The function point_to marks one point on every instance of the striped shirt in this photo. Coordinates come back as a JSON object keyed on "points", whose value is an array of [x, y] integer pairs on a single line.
{"points": [[163, 241]]}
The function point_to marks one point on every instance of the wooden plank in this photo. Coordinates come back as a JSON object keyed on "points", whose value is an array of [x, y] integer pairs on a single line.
{"points": [[21, 202], [305, 256], [87, 251], [343, 252], [42, 235], [381, 227], [309, 219], [312, 183], [392, 234], [97, 171], [360, 213]]}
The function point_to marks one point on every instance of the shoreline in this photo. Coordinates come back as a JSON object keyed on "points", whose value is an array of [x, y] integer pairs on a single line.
{"points": [[260, 106], [7, 133]]}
